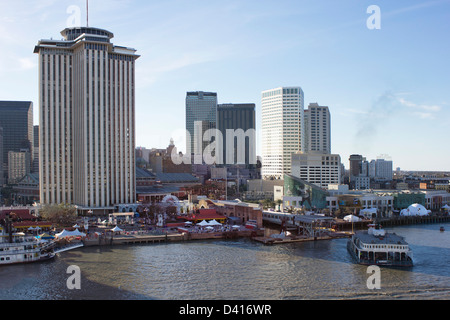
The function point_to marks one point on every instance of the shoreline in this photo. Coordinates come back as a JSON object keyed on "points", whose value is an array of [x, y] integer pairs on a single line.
{"points": [[343, 231]]}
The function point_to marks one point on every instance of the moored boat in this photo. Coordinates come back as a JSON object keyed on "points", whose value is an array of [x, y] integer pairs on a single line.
{"points": [[18, 248], [377, 247]]}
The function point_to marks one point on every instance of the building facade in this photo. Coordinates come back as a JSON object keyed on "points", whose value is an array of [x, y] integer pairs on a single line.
{"points": [[236, 117], [317, 129], [19, 165], [282, 129], [16, 119], [86, 120], [318, 168], [201, 115]]}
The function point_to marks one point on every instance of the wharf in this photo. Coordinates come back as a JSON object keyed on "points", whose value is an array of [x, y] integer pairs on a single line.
{"points": [[296, 239], [168, 237]]}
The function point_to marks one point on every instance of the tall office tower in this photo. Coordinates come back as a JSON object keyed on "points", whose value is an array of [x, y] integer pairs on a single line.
{"points": [[86, 120], [16, 118], [201, 113], [237, 117], [317, 129], [282, 129]]}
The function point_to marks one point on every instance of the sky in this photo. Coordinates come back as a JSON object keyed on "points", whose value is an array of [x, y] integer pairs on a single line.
{"points": [[388, 89]]}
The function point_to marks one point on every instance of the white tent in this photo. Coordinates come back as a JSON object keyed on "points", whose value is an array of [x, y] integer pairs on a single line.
{"points": [[116, 229], [352, 218], [204, 223], [446, 207], [64, 234], [214, 223], [68, 234], [415, 210], [77, 233]]}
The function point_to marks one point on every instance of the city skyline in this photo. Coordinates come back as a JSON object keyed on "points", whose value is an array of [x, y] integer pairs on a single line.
{"points": [[386, 88]]}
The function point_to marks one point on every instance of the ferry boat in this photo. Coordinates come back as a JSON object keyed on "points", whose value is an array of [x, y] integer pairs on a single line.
{"points": [[377, 247], [18, 248]]}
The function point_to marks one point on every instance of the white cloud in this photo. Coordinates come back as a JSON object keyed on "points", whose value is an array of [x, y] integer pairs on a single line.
{"points": [[424, 107]]}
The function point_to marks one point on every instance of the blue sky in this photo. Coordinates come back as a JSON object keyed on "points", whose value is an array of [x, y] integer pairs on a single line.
{"points": [[388, 90]]}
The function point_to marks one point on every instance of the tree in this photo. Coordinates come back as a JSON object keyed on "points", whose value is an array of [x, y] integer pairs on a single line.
{"points": [[61, 215]]}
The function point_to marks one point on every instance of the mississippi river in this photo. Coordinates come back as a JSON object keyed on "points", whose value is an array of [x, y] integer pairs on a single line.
{"points": [[232, 270]]}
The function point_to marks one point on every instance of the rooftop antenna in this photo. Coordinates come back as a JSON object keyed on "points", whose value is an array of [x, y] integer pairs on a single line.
{"points": [[87, 13]]}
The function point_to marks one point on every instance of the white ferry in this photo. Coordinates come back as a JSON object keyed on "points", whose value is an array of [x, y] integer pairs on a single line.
{"points": [[377, 247], [18, 248]]}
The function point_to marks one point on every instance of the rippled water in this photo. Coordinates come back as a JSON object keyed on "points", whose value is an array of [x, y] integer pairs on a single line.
{"points": [[234, 269]]}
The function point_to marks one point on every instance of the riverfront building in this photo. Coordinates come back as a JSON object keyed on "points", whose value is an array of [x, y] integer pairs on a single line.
{"points": [[282, 129], [86, 120]]}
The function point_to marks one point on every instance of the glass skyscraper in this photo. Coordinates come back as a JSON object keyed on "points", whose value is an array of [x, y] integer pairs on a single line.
{"points": [[16, 119], [234, 117], [201, 115]]}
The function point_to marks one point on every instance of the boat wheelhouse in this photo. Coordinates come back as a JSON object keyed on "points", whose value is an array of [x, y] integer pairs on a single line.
{"points": [[377, 247]]}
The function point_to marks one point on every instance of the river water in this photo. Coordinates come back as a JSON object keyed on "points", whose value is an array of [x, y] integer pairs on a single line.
{"points": [[234, 270]]}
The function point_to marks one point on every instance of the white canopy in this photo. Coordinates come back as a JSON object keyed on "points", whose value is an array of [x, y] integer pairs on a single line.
{"points": [[77, 233], [214, 223], [204, 223], [415, 210], [76, 226], [116, 229], [352, 218], [68, 234], [447, 207]]}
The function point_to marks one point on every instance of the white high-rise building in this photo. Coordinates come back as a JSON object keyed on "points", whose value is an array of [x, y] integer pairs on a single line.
{"points": [[282, 129], [86, 120], [317, 129]]}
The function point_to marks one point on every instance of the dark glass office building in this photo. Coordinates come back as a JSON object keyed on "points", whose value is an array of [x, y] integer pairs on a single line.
{"points": [[235, 117], [16, 119], [201, 115]]}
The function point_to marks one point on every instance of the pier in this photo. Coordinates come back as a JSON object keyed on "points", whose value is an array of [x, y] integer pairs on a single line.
{"points": [[167, 238]]}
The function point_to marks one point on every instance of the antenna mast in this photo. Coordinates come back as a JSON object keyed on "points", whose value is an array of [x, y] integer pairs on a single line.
{"points": [[87, 13]]}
